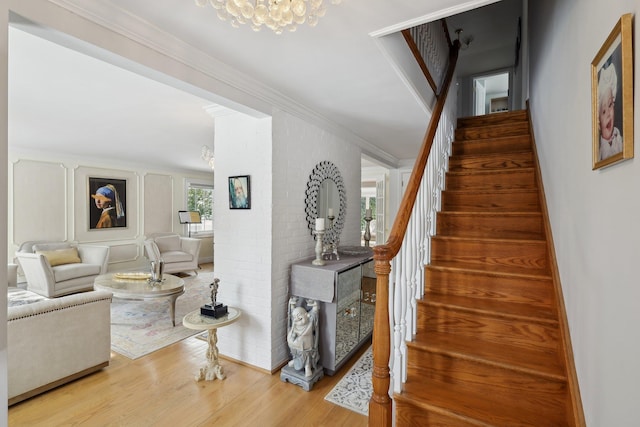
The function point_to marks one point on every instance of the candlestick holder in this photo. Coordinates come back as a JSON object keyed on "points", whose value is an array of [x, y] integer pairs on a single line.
{"points": [[319, 235], [367, 231]]}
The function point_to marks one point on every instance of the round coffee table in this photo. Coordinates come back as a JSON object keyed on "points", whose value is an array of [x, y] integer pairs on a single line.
{"points": [[197, 321], [124, 286]]}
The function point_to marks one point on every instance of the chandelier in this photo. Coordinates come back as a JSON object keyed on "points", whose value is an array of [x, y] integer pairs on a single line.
{"points": [[277, 15], [207, 156]]}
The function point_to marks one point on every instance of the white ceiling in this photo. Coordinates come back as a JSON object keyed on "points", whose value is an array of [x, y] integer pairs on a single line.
{"points": [[335, 73]]}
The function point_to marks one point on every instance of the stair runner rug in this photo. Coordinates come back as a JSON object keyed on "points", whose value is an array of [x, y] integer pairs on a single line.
{"points": [[141, 327], [354, 390]]}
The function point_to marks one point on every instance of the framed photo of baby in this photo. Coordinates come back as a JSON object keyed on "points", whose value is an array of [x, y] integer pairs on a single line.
{"points": [[612, 97]]}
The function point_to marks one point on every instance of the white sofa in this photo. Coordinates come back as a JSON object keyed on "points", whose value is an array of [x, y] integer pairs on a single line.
{"points": [[54, 341], [67, 273], [179, 253]]}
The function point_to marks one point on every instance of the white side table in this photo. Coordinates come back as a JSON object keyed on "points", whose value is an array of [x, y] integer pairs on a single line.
{"points": [[195, 320]]}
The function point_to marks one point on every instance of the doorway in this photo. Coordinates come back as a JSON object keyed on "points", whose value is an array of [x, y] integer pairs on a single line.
{"points": [[491, 93]]}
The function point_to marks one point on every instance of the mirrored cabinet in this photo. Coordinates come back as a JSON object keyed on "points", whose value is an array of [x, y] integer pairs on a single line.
{"points": [[346, 292]]}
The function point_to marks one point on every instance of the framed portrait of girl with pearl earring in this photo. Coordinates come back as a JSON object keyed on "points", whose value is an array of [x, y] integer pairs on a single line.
{"points": [[612, 97]]}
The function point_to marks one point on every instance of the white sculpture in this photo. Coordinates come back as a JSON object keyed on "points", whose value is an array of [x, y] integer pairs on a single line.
{"points": [[303, 336]]}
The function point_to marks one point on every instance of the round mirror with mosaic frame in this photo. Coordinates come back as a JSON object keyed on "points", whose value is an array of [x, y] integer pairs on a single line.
{"points": [[326, 195]]}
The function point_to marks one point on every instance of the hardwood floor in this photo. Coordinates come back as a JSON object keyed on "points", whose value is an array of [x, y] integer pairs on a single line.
{"points": [[160, 390]]}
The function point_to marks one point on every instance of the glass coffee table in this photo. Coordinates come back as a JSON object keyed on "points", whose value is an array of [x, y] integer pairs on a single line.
{"points": [[136, 286]]}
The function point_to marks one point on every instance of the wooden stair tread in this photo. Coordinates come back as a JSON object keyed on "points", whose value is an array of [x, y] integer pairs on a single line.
{"points": [[490, 131], [477, 408], [522, 274], [518, 124], [505, 224], [499, 308], [490, 191], [489, 239], [494, 254], [508, 161], [532, 362], [507, 138], [472, 173], [505, 117], [489, 155], [512, 214]]}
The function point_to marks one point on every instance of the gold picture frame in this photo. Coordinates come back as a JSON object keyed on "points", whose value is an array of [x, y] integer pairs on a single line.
{"points": [[612, 96]]}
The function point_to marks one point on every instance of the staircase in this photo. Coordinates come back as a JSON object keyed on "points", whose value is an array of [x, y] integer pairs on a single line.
{"points": [[488, 349]]}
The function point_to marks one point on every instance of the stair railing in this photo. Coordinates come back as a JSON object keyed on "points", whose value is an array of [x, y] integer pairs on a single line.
{"points": [[408, 247]]}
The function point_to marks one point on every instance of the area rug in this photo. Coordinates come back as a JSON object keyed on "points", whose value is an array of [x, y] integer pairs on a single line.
{"points": [[354, 390], [141, 327]]}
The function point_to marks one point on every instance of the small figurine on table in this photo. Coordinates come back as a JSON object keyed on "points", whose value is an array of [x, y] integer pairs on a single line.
{"points": [[214, 291], [215, 309]]}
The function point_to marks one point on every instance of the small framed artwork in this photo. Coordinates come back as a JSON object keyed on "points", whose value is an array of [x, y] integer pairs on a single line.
{"points": [[240, 192], [612, 97], [107, 203]]}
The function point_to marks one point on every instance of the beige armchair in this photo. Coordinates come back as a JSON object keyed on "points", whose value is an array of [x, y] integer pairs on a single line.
{"points": [[179, 253], [53, 269]]}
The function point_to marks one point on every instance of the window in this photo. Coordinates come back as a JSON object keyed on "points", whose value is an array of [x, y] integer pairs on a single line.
{"points": [[200, 198]]}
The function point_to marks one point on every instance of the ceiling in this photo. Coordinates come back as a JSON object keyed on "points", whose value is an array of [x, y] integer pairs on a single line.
{"points": [[336, 74]]}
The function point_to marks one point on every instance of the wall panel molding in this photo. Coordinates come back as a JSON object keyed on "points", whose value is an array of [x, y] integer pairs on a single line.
{"points": [[124, 252], [39, 194], [158, 193]]}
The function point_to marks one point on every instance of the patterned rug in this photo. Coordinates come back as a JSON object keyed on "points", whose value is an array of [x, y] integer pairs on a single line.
{"points": [[354, 390], [141, 327]]}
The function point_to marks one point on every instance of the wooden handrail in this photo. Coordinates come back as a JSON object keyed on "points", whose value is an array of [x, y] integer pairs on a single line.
{"points": [[380, 403]]}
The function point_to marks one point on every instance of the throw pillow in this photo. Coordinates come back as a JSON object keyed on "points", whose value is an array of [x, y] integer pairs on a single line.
{"points": [[61, 256]]}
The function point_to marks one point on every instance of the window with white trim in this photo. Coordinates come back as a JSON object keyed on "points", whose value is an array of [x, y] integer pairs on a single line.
{"points": [[200, 198]]}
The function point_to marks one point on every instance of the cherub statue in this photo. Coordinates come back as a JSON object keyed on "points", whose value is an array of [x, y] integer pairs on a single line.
{"points": [[303, 335], [214, 291]]}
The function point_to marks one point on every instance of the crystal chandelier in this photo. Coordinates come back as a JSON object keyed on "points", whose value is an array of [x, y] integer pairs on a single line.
{"points": [[207, 156], [277, 15]]}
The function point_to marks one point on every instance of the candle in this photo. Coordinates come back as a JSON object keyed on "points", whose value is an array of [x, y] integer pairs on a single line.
{"points": [[330, 212], [367, 213], [319, 224]]}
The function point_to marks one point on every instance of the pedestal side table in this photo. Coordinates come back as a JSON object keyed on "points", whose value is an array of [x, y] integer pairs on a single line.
{"points": [[197, 321]]}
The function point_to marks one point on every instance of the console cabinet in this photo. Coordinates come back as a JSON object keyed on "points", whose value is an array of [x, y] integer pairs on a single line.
{"points": [[345, 290]]}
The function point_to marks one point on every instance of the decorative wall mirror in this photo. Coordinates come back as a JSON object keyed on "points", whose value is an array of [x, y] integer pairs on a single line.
{"points": [[326, 197]]}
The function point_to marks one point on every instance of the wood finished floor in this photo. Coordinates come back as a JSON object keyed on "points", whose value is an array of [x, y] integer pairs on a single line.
{"points": [[159, 390]]}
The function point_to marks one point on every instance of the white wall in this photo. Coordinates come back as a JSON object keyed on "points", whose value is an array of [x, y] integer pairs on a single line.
{"points": [[297, 148], [242, 251], [594, 214], [254, 248]]}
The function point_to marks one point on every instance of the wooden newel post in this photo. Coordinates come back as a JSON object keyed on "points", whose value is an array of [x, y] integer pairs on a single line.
{"points": [[380, 403]]}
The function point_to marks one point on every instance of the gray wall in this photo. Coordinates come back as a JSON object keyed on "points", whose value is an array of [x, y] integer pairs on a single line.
{"points": [[594, 214]]}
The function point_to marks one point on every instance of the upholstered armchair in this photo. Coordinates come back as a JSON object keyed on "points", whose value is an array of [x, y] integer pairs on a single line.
{"points": [[179, 253], [53, 269]]}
